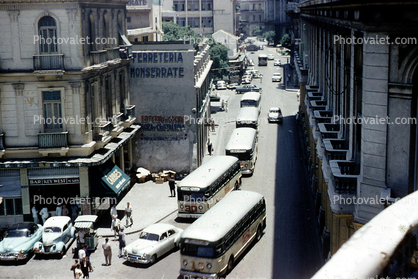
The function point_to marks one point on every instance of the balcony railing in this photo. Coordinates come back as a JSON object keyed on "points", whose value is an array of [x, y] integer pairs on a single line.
{"points": [[130, 111], [102, 131], [344, 175], [53, 140], [48, 62], [318, 105], [99, 56], [112, 53], [329, 130], [1, 141], [323, 116], [336, 149], [382, 248]]}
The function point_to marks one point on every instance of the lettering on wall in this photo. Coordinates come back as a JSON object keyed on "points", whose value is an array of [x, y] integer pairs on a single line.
{"points": [[159, 123], [160, 70]]}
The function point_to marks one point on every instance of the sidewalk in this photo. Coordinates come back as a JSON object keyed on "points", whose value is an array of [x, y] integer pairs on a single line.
{"points": [[150, 203]]}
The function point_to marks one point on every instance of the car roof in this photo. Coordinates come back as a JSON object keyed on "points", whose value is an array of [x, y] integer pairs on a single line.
{"points": [[57, 221], [159, 228], [22, 226], [274, 108]]}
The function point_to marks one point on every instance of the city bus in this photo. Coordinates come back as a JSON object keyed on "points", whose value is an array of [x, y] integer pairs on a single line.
{"points": [[243, 144], [251, 99], [247, 117], [211, 245], [262, 60], [207, 185]]}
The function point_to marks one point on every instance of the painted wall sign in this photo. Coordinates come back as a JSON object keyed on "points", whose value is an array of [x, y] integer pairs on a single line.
{"points": [[160, 71], [54, 181]]}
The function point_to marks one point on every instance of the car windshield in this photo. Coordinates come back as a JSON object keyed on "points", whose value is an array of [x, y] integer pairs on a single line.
{"points": [[276, 74], [17, 233], [149, 236], [274, 111], [52, 230]]}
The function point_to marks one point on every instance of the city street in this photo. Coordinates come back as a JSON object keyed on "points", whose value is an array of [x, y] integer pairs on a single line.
{"points": [[290, 246]]}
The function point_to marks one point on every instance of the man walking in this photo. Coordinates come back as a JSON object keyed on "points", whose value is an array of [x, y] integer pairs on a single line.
{"points": [[210, 148], [107, 250], [128, 215], [86, 267], [115, 225], [122, 242], [172, 184]]}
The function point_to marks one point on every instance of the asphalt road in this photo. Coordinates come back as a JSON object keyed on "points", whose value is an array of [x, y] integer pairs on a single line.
{"points": [[290, 246]]}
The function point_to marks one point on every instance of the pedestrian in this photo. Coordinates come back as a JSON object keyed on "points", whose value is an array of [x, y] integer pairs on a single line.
{"points": [[107, 250], [73, 268], [115, 225], [35, 214], [65, 211], [78, 273], [122, 242], [44, 214], [128, 215], [212, 124], [210, 148], [74, 212], [172, 184], [86, 251], [81, 253], [86, 267], [226, 106], [58, 210], [223, 105], [113, 211], [81, 240]]}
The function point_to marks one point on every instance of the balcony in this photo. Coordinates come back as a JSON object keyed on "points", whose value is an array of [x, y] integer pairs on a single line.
{"points": [[329, 130], [344, 176], [382, 248], [102, 133], [98, 56], [323, 116], [336, 149], [51, 143], [314, 95], [117, 123], [48, 62], [318, 105], [129, 116], [112, 53]]}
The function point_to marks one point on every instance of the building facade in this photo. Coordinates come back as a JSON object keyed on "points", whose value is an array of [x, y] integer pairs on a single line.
{"points": [[357, 69], [65, 113], [252, 13], [144, 21], [203, 16], [169, 87]]}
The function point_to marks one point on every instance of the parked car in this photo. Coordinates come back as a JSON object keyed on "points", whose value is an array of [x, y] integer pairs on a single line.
{"points": [[275, 115], [58, 235], [248, 88], [277, 62], [220, 85], [232, 85], [245, 80], [277, 77], [215, 97], [154, 242], [18, 241], [270, 57], [87, 223]]}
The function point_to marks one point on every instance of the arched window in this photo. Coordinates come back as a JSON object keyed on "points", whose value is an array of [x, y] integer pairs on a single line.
{"points": [[47, 35]]}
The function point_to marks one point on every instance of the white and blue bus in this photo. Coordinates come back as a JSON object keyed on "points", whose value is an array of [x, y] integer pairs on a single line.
{"points": [[211, 245], [251, 99], [243, 144], [247, 117], [207, 185]]}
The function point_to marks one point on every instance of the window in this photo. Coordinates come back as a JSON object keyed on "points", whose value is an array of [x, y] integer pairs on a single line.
{"points": [[52, 111], [145, 39], [11, 207], [181, 21], [207, 22], [253, 7], [128, 19], [47, 34], [259, 17], [163, 236], [253, 17]]}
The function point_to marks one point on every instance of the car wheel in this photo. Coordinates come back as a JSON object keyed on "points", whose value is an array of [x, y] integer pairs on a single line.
{"points": [[153, 259], [230, 264]]}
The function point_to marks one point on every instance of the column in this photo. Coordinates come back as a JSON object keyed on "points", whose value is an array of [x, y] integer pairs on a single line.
{"points": [[24, 183], [14, 20], [20, 107], [75, 87], [84, 189]]}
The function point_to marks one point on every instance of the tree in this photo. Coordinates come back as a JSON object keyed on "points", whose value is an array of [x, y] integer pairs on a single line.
{"points": [[285, 41], [269, 35], [256, 31], [173, 32], [219, 55]]}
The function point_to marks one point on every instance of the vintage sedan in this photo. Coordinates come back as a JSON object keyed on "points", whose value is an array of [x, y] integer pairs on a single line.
{"points": [[18, 241], [58, 234], [248, 88], [275, 115], [154, 241]]}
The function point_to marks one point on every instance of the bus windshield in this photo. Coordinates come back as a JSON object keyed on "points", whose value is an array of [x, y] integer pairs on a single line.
{"points": [[242, 156], [248, 103], [185, 195]]}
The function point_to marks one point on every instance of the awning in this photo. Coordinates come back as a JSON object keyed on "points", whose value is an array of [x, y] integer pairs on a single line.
{"points": [[113, 177], [10, 184], [85, 221]]}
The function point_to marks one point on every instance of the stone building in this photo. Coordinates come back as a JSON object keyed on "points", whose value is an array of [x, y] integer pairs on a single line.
{"points": [[252, 14], [144, 21], [65, 113], [203, 16], [357, 68], [170, 82]]}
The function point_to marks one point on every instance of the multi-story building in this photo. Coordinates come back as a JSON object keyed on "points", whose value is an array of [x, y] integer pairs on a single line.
{"points": [[357, 69], [144, 21], [203, 16], [65, 113], [170, 85], [252, 14], [277, 18]]}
